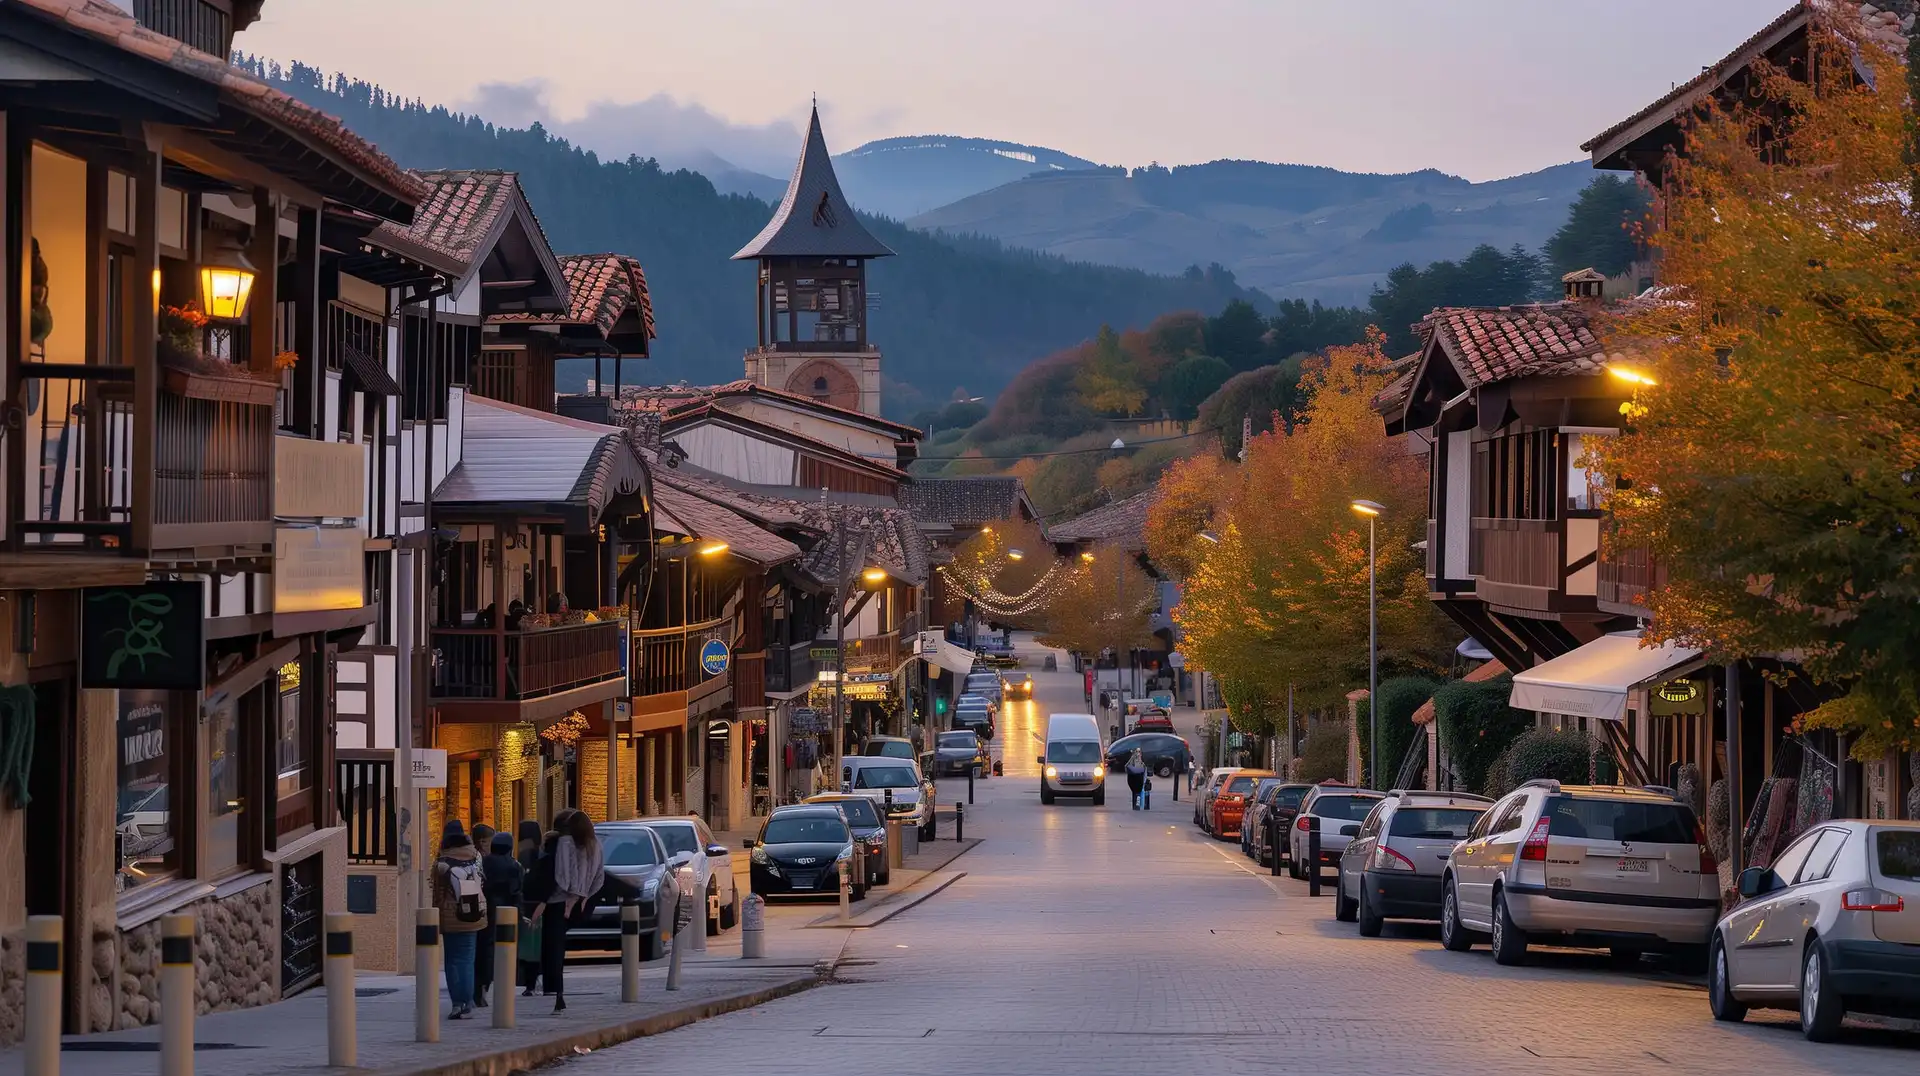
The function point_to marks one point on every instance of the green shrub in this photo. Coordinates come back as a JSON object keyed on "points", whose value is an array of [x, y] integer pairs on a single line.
{"points": [[1477, 725], [1399, 698], [1324, 755], [1565, 755]]}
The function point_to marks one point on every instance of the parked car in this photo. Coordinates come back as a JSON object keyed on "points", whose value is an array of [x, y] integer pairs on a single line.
{"points": [[985, 683], [1269, 820], [868, 831], [1394, 867], [635, 854], [1832, 926], [1605, 867], [1340, 808], [961, 752], [974, 714], [881, 779], [1202, 803], [888, 747], [1229, 804], [799, 850], [1262, 791], [1165, 753], [1016, 685], [688, 840]]}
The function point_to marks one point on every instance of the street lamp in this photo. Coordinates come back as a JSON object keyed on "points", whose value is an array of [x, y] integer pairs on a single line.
{"points": [[874, 575], [1631, 375], [1087, 556], [1372, 510], [713, 549]]}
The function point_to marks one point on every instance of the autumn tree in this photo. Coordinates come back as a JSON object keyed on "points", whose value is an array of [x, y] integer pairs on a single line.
{"points": [[1190, 494], [1102, 603], [1773, 464], [1109, 380]]}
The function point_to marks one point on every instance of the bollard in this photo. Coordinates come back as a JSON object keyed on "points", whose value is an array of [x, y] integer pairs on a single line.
{"points": [[177, 1000], [846, 892], [1176, 786], [43, 996], [753, 928], [699, 927], [959, 821], [426, 975], [506, 963], [343, 1035], [1273, 845], [629, 953], [970, 772], [682, 922], [1313, 855]]}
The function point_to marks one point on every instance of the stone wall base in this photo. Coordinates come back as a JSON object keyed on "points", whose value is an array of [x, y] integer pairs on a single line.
{"points": [[235, 955]]}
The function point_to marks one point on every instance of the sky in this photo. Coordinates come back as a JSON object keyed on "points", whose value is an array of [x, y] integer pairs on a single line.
{"points": [[1477, 88]]}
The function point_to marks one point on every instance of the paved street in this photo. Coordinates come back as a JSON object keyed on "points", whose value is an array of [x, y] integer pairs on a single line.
{"points": [[1107, 940]]}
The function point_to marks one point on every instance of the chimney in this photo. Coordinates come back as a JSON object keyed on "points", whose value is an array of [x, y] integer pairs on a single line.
{"points": [[1583, 286]]}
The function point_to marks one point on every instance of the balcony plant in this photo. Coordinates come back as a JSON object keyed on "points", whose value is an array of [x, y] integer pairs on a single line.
{"points": [[187, 370]]}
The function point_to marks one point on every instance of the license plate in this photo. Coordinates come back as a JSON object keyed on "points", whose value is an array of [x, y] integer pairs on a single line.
{"points": [[1632, 866]]}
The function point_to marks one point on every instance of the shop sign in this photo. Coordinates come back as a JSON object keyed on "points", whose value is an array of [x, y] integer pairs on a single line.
{"points": [[149, 636], [1676, 697], [869, 678], [429, 767], [714, 657], [824, 653]]}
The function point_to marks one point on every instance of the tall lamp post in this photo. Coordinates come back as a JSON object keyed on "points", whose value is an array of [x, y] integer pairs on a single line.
{"points": [[1372, 510]]}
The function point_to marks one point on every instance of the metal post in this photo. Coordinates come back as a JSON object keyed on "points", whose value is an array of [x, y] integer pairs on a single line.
{"points": [[846, 892], [1373, 665], [1273, 842], [1313, 855], [177, 1001], [343, 1035], [44, 963], [629, 953], [970, 770], [1736, 793], [682, 922], [699, 926], [506, 964], [959, 821], [426, 975], [753, 928]]}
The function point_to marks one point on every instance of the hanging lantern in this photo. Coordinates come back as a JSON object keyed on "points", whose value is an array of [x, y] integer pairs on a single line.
{"points": [[226, 279]]}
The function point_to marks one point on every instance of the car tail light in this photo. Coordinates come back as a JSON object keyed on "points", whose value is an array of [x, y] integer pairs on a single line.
{"points": [[1301, 824], [1708, 864], [1535, 850], [1386, 859], [1872, 900]]}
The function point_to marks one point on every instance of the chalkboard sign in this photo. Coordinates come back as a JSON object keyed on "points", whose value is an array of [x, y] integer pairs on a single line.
{"points": [[149, 636]]}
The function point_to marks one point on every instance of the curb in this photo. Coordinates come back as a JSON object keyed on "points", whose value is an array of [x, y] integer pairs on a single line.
{"points": [[885, 912], [536, 1054]]}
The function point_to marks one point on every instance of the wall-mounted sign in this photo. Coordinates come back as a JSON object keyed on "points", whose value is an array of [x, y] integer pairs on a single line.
{"points": [[318, 568], [149, 636], [1677, 698], [429, 767], [714, 657]]}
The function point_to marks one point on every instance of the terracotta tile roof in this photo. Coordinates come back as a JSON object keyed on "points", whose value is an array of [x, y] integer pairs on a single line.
{"points": [[1406, 368], [464, 211], [1123, 521], [682, 512], [1488, 344], [965, 502], [661, 399], [107, 23], [601, 289], [1489, 671]]}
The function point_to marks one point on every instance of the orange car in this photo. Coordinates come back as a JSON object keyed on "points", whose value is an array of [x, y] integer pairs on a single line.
{"points": [[1230, 804]]}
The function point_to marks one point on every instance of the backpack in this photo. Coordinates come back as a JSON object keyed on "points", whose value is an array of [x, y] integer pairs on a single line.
{"points": [[467, 885]]}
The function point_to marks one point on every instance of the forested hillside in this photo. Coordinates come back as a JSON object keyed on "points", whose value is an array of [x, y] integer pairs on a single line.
{"points": [[950, 313]]}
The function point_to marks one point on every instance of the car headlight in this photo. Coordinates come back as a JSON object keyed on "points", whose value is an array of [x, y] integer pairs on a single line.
{"points": [[1051, 772], [650, 889], [764, 861], [1099, 772], [846, 855]]}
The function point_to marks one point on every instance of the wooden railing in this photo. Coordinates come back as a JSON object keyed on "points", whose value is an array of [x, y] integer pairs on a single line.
{"points": [[363, 786], [212, 462], [487, 663], [668, 659], [1516, 552]]}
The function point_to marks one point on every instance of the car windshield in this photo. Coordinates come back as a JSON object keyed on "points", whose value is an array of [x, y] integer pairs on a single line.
{"points": [[1433, 823], [965, 740], [627, 848], [859, 811], [1348, 808], [890, 749], [1242, 785], [1899, 852], [1632, 821], [805, 829], [884, 777], [1073, 751], [678, 839], [1290, 797]]}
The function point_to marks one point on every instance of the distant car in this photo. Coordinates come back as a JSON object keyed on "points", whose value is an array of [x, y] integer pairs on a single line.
{"points": [[882, 779], [974, 713], [636, 855], [1624, 869], [1270, 819], [1203, 803], [688, 840], [1262, 792], [1165, 754], [888, 747], [1229, 804], [1833, 925], [1393, 869], [961, 752], [799, 850], [1017, 685], [868, 830], [1340, 808], [1073, 764], [984, 683]]}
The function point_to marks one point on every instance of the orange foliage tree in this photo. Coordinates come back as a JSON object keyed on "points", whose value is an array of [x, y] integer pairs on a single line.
{"points": [[1773, 463]]}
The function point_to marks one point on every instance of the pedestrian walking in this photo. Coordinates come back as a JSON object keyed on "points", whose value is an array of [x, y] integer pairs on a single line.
{"points": [[459, 893], [504, 885], [577, 879], [527, 852], [1137, 776]]}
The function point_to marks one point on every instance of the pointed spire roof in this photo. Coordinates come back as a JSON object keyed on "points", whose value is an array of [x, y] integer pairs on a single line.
{"points": [[814, 219]]}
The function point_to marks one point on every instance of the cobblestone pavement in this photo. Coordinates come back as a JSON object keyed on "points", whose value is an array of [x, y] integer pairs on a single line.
{"points": [[1088, 940]]}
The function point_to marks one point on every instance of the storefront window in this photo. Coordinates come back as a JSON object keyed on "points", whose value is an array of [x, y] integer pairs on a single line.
{"points": [[294, 748], [145, 826], [226, 806]]}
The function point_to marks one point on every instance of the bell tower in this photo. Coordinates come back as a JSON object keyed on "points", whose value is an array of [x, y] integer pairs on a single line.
{"points": [[811, 308]]}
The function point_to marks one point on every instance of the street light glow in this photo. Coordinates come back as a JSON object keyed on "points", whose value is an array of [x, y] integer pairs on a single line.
{"points": [[1087, 556], [1368, 508], [1630, 375], [712, 549], [874, 575], [1015, 554]]}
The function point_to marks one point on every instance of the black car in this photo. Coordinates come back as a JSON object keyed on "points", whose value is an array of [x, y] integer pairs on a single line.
{"points": [[634, 854], [1165, 753], [864, 817], [798, 851], [960, 752]]}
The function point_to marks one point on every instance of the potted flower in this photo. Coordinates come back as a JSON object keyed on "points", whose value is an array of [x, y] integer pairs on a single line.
{"points": [[189, 371]]}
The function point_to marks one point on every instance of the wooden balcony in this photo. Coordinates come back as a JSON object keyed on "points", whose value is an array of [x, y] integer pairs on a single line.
{"points": [[490, 674], [1517, 563], [667, 660], [790, 668], [1626, 576]]}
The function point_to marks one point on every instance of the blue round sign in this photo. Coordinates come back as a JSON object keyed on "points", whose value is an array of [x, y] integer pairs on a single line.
{"points": [[714, 657]]}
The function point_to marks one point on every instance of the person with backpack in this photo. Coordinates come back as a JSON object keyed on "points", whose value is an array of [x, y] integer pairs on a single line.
{"points": [[1137, 776], [575, 867], [504, 882], [460, 894]]}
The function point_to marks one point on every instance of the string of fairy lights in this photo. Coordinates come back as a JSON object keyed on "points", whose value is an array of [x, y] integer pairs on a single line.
{"points": [[978, 588]]}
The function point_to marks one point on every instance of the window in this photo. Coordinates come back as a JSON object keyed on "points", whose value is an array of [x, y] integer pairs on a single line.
{"points": [[1073, 751], [226, 789], [1632, 821], [888, 777], [1371, 827], [147, 821], [860, 812], [1343, 808], [1517, 476], [1434, 823], [820, 384], [627, 848], [1821, 857], [1899, 852], [293, 749], [805, 829], [1507, 819], [678, 839], [1787, 864]]}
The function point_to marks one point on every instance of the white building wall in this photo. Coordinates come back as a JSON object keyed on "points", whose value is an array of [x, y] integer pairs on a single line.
{"points": [[738, 456]]}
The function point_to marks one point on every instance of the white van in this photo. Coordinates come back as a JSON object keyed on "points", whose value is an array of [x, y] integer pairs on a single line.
{"points": [[1075, 762]]}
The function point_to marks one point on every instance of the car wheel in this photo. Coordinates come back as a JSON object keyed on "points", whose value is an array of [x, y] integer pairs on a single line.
{"points": [[859, 892], [1820, 1007], [713, 921], [1100, 796], [886, 878], [1370, 921], [1720, 997], [1343, 909], [1624, 956], [1046, 794], [1453, 933], [730, 912], [1509, 942], [654, 947], [1163, 770], [1293, 868]]}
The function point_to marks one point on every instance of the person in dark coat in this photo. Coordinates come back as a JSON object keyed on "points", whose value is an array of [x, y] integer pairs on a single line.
{"points": [[503, 888]]}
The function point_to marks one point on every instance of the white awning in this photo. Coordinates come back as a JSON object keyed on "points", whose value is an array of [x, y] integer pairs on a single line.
{"points": [[955, 659], [1593, 680]]}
